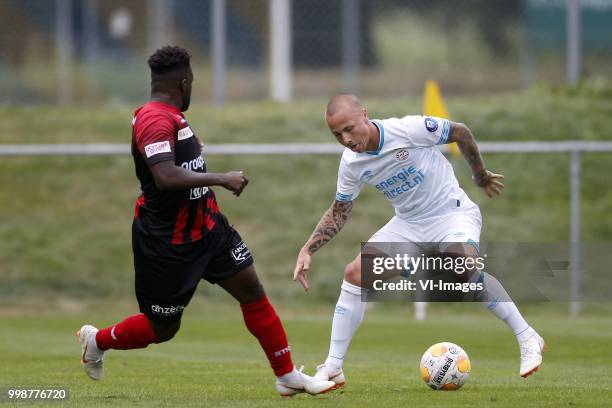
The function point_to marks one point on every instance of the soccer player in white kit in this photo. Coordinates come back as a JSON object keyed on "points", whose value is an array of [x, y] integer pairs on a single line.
{"points": [[399, 157]]}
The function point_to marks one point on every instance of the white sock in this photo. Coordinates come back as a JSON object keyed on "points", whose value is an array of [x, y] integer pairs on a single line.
{"points": [[501, 305], [290, 376], [347, 318]]}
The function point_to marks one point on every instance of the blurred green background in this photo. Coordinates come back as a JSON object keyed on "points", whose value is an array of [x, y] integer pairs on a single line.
{"points": [[73, 71], [65, 229]]}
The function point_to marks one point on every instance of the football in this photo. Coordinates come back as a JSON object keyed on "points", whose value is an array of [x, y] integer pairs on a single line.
{"points": [[445, 366]]}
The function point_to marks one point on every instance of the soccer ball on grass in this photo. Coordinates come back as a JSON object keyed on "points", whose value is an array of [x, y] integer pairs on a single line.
{"points": [[445, 366]]}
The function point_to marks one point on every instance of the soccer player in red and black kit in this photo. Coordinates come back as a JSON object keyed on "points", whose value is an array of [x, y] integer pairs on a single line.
{"points": [[179, 236]]}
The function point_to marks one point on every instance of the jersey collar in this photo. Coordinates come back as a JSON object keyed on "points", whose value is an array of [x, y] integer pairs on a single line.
{"points": [[165, 106], [381, 142]]}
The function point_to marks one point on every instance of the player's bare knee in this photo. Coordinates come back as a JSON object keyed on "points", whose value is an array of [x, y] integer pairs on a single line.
{"points": [[165, 331], [256, 289], [253, 293], [244, 286], [250, 290], [352, 273]]}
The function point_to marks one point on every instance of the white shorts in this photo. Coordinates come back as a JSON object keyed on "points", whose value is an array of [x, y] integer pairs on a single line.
{"points": [[462, 226]]}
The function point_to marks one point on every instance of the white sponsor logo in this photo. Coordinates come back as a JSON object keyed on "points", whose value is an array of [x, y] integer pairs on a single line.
{"points": [[156, 148], [113, 333], [167, 311], [240, 253], [197, 193], [185, 133], [282, 352], [195, 164]]}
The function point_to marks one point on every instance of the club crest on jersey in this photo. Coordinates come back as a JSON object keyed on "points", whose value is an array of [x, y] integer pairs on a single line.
{"points": [[402, 155], [431, 124]]}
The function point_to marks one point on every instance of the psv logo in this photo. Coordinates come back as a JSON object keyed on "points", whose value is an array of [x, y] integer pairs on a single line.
{"points": [[402, 155]]}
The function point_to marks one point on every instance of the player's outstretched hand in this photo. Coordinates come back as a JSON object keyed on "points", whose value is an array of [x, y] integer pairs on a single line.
{"points": [[235, 181], [490, 183], [301, 268]]}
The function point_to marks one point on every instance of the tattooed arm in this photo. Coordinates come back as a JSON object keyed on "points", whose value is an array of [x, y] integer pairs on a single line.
{"points": [[330, 224], [488, 181]]}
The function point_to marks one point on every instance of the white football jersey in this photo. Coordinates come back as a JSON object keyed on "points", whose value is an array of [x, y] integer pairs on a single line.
{"points": [[407, 168]]}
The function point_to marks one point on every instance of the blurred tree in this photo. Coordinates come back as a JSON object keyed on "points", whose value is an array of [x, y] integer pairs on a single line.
{"points": [[492, 18]]}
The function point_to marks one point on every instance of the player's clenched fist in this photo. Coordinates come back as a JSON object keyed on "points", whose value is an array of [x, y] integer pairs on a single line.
{"points": [[235, 181], [301, 267]]}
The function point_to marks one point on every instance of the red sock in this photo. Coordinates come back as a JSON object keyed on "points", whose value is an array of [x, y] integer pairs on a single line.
{"points": [[263, 322], [132, 333]]}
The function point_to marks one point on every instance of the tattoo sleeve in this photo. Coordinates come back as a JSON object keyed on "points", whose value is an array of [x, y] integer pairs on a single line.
{"points": [[462, 135], [330, 224]]}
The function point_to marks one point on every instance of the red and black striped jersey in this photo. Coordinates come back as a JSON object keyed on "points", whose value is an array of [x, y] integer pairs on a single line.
{"points": [[161, 132]]}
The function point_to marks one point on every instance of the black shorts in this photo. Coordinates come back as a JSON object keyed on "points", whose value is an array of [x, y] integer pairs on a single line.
{"points": [[167, 275]]}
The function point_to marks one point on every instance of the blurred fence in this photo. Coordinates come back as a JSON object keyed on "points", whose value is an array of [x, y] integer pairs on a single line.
{"points": [[574, 148], [91, 51]]}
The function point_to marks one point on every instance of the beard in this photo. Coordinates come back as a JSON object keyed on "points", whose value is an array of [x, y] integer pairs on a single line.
{"points": [[185, 103]]}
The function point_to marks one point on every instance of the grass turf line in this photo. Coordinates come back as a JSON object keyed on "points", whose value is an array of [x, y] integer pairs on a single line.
{"points": [[213, 361]]}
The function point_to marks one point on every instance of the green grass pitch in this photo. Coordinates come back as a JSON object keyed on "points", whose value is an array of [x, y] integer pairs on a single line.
{"points": [[65, 238], [214, 361]]}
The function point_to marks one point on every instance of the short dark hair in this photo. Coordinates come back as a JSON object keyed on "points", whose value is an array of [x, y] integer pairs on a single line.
{"points": [[168, 59]]}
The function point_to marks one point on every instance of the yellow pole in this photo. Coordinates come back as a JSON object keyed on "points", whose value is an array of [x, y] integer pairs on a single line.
{"points": [[434, 106]]}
